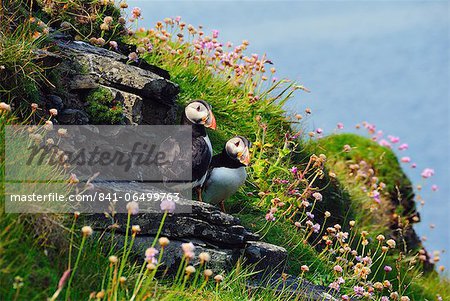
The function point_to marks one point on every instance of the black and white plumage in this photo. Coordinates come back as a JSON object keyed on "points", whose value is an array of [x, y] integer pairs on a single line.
{"points": [[199, 115], [227, 171]]}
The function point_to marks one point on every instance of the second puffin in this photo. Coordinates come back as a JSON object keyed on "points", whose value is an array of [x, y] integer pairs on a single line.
{"points": [[227, 171]]}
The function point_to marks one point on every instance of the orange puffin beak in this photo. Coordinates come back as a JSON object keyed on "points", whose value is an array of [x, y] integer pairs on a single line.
{"points": [[244, 157], [212, 123]]}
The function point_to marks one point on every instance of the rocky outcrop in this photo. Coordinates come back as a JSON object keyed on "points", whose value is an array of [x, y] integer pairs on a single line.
{"points": [[145, 92], [209, 229]]}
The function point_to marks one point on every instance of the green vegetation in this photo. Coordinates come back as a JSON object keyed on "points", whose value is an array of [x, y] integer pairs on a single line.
{"points": [[349, 183], [103, 108]]}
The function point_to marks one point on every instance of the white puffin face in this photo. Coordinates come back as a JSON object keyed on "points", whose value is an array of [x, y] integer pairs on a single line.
{"points": [[198, 113], [237, 149]]}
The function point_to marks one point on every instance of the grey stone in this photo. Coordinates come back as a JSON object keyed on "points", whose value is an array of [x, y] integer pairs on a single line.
{"points": [[211, 230], [265, 256], [73, 116], [132, 104], [54, 101], [148, 98]]}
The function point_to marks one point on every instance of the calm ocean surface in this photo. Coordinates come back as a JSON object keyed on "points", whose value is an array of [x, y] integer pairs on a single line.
{"points": [[382, 62]]}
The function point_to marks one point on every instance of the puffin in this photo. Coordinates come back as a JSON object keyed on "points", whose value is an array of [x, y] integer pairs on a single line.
{"points": [[227, 171], [198, 113]]}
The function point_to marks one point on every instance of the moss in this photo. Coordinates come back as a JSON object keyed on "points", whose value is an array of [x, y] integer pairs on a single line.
{"points": [[103, 108], [382, 159]]}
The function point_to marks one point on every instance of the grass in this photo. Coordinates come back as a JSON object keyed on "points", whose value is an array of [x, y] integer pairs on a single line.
{"points": [[286, 178]]}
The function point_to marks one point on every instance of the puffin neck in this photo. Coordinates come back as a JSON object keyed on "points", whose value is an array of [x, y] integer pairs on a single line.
{"points": [[198, 130], [224, 160]]}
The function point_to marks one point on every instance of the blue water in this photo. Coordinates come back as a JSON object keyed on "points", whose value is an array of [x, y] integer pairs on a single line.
{"points": [[383, 62]]}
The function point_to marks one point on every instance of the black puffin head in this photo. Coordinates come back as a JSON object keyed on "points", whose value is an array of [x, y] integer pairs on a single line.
{"points": [[199, 113], [237, 148]]}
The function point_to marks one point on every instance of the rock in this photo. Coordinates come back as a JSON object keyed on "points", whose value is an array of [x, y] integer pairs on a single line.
{"points": [[221, 259], [132, 105], [54, 101], [73, 116], [209, 229], [295, 287], [266, 256], [147, 94]]}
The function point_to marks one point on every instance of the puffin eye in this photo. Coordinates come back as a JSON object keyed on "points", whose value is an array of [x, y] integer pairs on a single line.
{"points": [[198, 108], [237, 144]]}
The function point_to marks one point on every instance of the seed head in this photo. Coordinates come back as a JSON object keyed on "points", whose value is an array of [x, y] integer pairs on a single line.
{"points": [[204, 257], [164, 242], [218, 278], [190, 270], [87, 231], [391, 243], [135, 229], [151, 267], [113, 259]]}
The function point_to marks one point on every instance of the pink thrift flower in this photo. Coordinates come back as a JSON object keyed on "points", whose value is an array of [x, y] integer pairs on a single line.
{"points": [[434, 187], [168, 206], [406, 159], [319, 131], [317, 196], [427, 172], [215, 34], [337, 268], [340, 126], [394, 139], [136, 12], [387, 268], [384, 142], [113, 44], [294, 170], [403, 146], [133, 56], [414, 165]]}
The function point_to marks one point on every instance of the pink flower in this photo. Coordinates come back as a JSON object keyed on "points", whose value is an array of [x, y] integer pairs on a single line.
{"points": [[319, 131], [215, 34], [337, 268], [384, 142], [136, 12], [316, 228], [317, 196], [403, 146], [133, 56], [414, 165], [340, 126], [270, 217], [293, 170], [427, 172], [334, 285], [434, 187], [150, 254], [168, 206], [406, 159], [394, 139], [387, 268], [113, 44]]}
